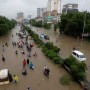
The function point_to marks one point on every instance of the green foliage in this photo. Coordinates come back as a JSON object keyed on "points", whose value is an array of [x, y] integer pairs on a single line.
{"points": [[50, 45], [72, 23], [55, 27], [3, 29], [51, 54], [65, 80], [51, 51], [6, 25], [77, 68], [46, 25], [33, 22], [39, 23], [56, 60]]}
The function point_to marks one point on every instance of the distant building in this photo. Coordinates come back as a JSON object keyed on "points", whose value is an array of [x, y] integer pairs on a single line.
{"points": [[70, 8], [56, 2], [49, 6], [58, 17], [40, 11], [25, 21], [38, 19], [20, 16]]}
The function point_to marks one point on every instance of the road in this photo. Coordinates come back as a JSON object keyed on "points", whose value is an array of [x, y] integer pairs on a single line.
{"points": [[35, 78]]}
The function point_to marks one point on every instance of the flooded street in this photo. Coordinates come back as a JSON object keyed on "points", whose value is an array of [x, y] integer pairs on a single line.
{"points": [[66, 44], [35, 78]]}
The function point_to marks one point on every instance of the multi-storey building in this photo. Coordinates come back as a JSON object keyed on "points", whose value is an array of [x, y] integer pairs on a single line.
{"points": [[40, 11], [56, 5], [20, 15], [70, 8]]}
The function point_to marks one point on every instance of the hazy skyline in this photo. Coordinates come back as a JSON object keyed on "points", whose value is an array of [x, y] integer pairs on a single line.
{"points": [[10, 8]]}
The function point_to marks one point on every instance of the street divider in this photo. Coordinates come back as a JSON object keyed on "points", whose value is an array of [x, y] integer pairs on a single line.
{"points": [[75, 68]]}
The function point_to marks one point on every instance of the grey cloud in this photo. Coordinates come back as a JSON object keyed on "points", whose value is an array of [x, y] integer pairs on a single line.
{"points": [[10, 8]]}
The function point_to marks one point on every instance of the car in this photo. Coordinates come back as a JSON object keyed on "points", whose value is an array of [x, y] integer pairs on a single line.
{"points": [[4, 76], [78, 55], [46, 37], [42, 36]]}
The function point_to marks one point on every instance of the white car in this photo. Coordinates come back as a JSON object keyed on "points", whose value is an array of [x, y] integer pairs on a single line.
{"points": [[78, 55], [42, 36], [4, 76]]}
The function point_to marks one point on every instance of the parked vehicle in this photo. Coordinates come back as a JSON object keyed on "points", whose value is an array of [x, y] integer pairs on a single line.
{"points": [[78, 55]]}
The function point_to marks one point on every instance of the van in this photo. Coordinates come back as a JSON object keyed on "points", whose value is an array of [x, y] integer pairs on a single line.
{"points": [[78, 55]]}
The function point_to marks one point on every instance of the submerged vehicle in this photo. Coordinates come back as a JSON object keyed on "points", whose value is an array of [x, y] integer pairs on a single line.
{"points": [[5, 76], [78, 55]]}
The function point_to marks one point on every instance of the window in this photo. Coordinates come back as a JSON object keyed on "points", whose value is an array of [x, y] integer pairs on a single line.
{"points": [[74, 53]]}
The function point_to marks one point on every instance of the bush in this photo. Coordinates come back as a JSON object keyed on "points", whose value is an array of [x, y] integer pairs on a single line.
{"points": [[46, 25], [77, 68], [50, 45], [51, 54], [56, 60]]}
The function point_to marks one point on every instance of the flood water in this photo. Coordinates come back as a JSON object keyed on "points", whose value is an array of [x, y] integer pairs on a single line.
{"points": [[35, 78], [66, 44]]}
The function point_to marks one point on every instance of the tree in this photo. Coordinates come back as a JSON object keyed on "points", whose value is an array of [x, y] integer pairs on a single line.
{"points": [[55, 27], [72, 23], [6, 25]]}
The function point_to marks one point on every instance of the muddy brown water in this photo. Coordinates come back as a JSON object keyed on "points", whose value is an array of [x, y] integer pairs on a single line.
{"points": [[35, 78], [66, 44]]}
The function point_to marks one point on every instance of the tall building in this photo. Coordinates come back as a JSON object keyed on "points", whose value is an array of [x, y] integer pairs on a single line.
{"points": [[44, 10], [49, 6], [20, 15], [40, 11], [56, 5], [70, 8]]}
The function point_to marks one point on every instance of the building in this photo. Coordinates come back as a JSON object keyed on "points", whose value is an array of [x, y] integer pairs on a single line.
{"points": [[56, 2], [70, 8], [58, 17], [20, 16], [25, 21], [40, 11], [38, 19], [49, 6]]}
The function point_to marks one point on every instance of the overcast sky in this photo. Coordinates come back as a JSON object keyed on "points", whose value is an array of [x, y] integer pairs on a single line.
{"points": [[10, 8]]}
